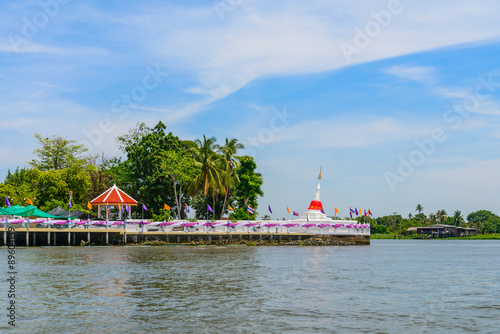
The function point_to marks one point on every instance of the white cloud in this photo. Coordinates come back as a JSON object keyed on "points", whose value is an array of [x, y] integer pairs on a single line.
{"points": [[350, 133], [422, 74], [258, 40]]}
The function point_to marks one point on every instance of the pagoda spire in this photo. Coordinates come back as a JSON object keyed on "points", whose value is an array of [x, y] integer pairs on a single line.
{"points": [[316, 196]]}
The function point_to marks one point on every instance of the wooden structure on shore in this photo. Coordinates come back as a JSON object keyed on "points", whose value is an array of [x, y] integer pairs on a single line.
{"points": [[442, 231]]}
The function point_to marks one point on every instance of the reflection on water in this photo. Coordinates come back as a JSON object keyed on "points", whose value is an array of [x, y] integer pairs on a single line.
{"points": [[389, 287]]}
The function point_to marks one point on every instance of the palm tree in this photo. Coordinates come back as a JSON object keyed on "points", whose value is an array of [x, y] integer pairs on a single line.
{"points": [[211, 168], [432, 218], [410, 216], [229, 151], [441, 215], [458, 219], [419, 208]]}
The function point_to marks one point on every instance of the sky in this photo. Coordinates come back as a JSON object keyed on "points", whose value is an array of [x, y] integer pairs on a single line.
{"points": [[398, 101]]}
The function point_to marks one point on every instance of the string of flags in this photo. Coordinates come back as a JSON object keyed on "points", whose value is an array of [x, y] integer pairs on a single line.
{"points": [[126, 207]]}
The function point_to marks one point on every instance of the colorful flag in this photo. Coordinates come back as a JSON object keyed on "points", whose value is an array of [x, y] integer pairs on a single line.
{"points": [[7, 201], [29, 201], [69, 204], [351, 210], [269, 207], [350, 214], [127, 208], [89, 206], [365, 213], [187, 208], [336, 211], [287, 209], [119, 207], [322, 211], [144, 207], [166, 207], [107, 207], [356, 211], [249, 209], [230, 208], [209, 208], [369, 212], [295, 213]]}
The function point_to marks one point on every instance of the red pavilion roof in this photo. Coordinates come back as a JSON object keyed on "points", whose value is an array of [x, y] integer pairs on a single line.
{"points": [[114, 195]]}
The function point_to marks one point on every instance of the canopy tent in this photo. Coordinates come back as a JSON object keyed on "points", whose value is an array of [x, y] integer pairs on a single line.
{"points": [[61, 213], [28, 211], [114, 196]]}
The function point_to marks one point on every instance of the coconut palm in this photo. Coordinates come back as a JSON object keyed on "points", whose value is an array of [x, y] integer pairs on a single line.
{"points": [[432, 218], [458, 219], [210, 178], [441, 215], [419, 208], [229, 151]]}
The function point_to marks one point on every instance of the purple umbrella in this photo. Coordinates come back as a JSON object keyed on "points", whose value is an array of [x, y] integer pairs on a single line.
{"points": [[338, 225], [323, 225]]}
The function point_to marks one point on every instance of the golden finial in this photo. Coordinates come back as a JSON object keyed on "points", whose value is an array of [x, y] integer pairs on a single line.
{"points": [[319, 177]]}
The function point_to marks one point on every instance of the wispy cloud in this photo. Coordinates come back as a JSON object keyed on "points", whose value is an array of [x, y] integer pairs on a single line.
{"points": [[426, 75]]}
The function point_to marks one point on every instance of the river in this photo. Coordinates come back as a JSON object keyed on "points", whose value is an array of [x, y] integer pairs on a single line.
{"points": [[392, 286]]}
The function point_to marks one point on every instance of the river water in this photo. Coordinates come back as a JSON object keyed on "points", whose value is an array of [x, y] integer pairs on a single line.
{"points": [[392, 286]]}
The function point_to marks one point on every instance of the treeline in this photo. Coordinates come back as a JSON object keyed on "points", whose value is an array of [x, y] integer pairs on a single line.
{"points": [[484, 221], [159, 169]]}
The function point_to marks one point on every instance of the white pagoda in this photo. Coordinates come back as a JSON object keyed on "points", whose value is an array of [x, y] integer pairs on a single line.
{"points": [[315, 213]]}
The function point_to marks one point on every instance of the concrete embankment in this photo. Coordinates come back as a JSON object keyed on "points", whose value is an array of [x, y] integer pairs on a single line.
{"points": [[77, 237]]}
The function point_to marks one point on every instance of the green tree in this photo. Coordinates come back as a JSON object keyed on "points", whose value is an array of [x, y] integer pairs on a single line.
{"points": [[57, 153], [248, 189], [441, 216], [211, 175], [483, 220], [141, 175], [419, 208], [458, 219], [229, 151], [179, 167]]}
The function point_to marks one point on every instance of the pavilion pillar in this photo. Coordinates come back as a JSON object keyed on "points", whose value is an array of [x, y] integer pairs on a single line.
{"points": [[69, 238], [27, 237], [99, 211], [107, 237], [74, 239], [48, 238], [88, 236], [5, 235]]}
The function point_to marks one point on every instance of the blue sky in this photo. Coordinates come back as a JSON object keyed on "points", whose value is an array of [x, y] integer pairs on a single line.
{"points": [[354, 87]]}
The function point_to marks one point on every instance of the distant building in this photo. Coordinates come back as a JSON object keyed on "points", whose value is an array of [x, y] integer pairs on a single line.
{"points": [[443, 231]]}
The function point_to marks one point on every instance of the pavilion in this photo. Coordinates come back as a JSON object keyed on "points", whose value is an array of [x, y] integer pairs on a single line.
{"points": [[114, 196]]}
